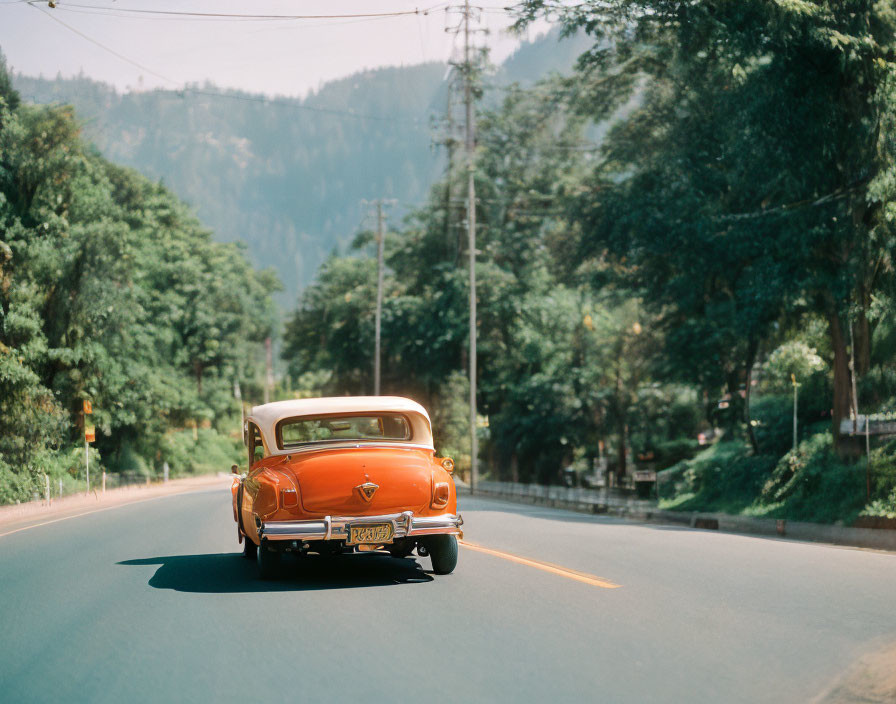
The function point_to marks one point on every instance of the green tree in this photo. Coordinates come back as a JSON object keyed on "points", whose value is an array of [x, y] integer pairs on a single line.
{"points": [[110, 291], [754, 179]]}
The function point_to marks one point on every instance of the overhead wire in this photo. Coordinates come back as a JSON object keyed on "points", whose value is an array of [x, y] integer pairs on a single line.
{"points": [[102, 46], [112, 12], [212, 16], [105, 9], [233, 96], [304, 25]]}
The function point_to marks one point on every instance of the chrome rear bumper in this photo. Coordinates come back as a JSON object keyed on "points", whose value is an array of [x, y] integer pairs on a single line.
{"points": [[405, 525]]}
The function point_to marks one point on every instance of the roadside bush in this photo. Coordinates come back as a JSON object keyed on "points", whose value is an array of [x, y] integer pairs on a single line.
{"points": [[724, 477], [883, 470], [883, 482], [813, 484], [15, 486], [670, 452], [66, 464], [209, 452], [127, 459], [884, 508], [773, 423]]}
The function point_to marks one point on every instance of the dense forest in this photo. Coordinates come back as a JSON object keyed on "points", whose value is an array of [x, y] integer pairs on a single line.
{"points": [[287, 176], [692, 224], [112, 292], [730, 236]]}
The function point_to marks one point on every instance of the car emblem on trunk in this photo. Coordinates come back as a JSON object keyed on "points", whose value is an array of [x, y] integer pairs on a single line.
{"points": [[367, 490]]}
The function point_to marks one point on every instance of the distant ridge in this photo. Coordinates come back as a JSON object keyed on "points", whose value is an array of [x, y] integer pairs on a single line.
{"points": [[287, 176]]}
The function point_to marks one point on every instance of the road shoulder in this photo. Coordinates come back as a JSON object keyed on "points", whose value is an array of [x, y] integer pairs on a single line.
{"points": [[17, 517], [881, 539]]}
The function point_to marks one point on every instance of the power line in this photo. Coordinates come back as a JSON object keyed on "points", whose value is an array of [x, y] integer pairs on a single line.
{"points": [[113, 12], [231, 96], [102, 46], [242, 16], [116, 12]]}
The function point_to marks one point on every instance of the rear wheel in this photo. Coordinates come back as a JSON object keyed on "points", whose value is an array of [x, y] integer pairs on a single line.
{"points": [[249, 548], [443, 551], [268, 561]]}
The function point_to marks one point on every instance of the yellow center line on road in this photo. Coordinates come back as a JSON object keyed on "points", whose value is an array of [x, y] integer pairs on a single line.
{"points": [[583, 577]]}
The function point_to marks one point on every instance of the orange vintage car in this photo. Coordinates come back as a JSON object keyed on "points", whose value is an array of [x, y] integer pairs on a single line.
{"points": [[345, 474]]}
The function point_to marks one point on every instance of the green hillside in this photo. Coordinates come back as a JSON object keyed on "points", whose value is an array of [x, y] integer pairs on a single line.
{"points": [[281, 176], [286, 176]]}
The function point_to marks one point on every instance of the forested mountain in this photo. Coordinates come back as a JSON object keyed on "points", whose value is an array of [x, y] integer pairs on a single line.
{"points": [[287, 176]]}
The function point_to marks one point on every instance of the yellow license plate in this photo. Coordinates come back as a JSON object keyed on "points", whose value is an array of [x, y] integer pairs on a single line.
{"points": [[371, 534]]}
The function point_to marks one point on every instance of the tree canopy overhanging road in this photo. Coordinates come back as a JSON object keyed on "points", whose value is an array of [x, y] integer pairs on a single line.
{"points": [[152, 602]]}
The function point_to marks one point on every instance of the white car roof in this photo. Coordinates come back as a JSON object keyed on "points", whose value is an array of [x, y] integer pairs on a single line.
{"points": [[268, 415]]}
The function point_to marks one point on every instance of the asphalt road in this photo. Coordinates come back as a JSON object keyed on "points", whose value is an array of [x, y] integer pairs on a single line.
{"points": [[151, 602]]}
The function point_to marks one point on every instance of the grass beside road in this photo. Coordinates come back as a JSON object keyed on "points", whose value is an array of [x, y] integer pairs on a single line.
{"points": [[809, 483]]}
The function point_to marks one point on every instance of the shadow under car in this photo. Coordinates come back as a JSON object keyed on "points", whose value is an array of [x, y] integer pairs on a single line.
{"points": [[229, 573]]}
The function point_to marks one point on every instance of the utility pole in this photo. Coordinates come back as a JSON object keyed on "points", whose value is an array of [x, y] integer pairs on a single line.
{"points": [[855, 413], [380, 237], [469, 144], [269, 370], [380, 203]]}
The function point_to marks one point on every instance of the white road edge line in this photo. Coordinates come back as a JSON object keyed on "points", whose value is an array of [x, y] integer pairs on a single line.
{"points": [[105, 508]]}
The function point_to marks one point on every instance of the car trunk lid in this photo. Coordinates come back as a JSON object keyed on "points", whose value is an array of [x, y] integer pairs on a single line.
{"points": [[333, 481]]}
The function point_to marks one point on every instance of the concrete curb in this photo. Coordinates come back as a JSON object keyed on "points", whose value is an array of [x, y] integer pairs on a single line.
{"points": [[645, 512]]}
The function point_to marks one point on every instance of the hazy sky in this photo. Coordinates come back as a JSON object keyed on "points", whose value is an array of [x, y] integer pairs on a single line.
{"points": [[278, 56]]}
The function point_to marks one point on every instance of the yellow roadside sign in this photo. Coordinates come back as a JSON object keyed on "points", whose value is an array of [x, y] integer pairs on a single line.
{"points": [[89, 433]]}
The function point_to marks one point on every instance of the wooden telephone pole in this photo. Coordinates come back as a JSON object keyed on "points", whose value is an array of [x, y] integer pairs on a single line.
{"points": [[380, 236], [469, 146], [380, 203], [268, 370]]}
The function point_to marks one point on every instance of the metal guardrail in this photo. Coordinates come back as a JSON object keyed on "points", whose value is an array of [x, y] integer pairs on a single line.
{"points": [[597, 501], [572, 495], [863, 425]]}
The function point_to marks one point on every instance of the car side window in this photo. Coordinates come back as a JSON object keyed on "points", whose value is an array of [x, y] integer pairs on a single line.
{"points": [[256, 447]]}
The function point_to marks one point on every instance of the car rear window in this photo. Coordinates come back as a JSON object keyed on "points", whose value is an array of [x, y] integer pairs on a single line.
{"points": [[305, 430]]}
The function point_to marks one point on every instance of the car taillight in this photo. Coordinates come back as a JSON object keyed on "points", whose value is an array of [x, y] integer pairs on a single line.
{"points": [[440, 495], [289, 498]]}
